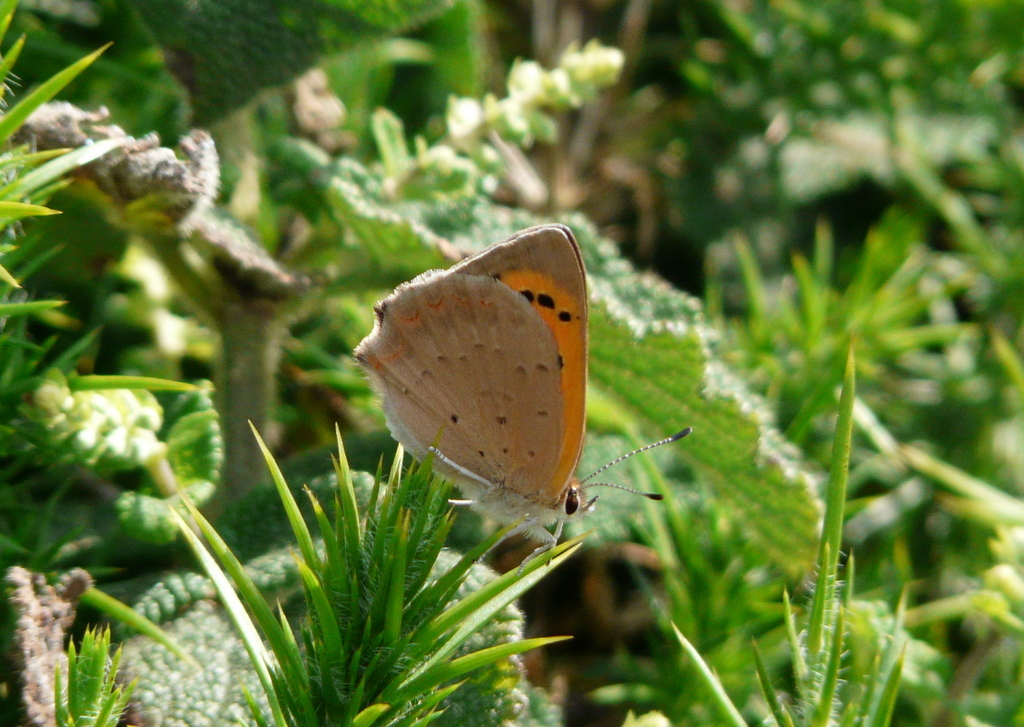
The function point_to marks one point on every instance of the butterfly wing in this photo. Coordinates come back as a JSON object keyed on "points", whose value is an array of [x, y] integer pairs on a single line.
{"points": [[466, 358], [544, 265]]}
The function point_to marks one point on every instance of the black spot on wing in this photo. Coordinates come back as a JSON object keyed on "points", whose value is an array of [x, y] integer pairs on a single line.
{"points": [[564, 316], [528, 294], [545, 300]]}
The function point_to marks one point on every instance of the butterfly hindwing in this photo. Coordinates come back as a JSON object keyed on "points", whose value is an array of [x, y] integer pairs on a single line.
{"points": [[467, 358], [544, 265]]}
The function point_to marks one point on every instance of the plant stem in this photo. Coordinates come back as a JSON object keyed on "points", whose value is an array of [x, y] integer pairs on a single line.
{"points": [[251, 335]]}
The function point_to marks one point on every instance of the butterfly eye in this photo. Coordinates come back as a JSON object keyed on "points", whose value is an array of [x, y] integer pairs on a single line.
{"points": [[572, 501]]}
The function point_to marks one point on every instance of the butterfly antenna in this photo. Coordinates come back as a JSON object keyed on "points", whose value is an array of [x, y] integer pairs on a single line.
{"points": [[674, 438], [648, 495]]}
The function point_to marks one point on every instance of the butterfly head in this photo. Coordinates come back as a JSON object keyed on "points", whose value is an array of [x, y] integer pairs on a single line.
{"points": [[575, 504]]}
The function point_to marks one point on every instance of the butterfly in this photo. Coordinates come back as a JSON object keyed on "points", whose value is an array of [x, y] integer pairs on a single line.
{"points": [[485, 366]]}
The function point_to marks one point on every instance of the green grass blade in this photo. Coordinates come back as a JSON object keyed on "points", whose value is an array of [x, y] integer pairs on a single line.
{"points": [[800, 671], [6, 15], [49, 88], [11, 211], [54, 170], [730, 714], [753, 283], [6, 277], [369, 716], [327, 620], [782, 716], [835, 498], [480, 606], [132, 618], [816, 621], [825, 699], [8, 310], [881, 713], [149, 383], [258, 655], [396, 588], [12, 53], [449, 670], [350, 510], [449, 581], [464, 609], [28, 160], [835, 502], [1010, 360], [291, 508]]}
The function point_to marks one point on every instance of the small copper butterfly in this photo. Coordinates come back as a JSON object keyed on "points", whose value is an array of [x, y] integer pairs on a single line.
{"points": [[485, 364]]}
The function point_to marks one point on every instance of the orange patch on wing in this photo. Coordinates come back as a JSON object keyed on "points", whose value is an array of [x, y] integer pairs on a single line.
{"points": [[378, 362], [563, 315]]}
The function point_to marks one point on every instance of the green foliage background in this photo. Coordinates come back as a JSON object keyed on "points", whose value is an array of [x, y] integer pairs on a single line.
{"points": [[805, 174]]}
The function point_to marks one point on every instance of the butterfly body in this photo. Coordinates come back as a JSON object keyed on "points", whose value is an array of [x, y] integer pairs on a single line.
{"points": [[485, 364]]}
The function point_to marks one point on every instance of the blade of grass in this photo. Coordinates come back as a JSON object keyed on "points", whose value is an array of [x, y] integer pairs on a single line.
{"points": [[800, 670], [835, 501], [29, 307], [57, 168], [835, 498], [483, 604], [130, 617], [729, 712], [447, 671], [825, 699], [369, 716], [781, 715], [12, 53], [7, 14], [258, 655], [10, 211], [94, 382], [291, 507], [15, 117]]}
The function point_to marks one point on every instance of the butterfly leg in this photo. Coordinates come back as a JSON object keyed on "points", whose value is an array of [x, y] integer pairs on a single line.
{"points": [[525, 526], [548, 541]]}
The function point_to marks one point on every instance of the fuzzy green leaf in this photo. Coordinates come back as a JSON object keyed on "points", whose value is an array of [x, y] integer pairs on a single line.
{"points": [[146, 517], [169, 690], [195, 448]]}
